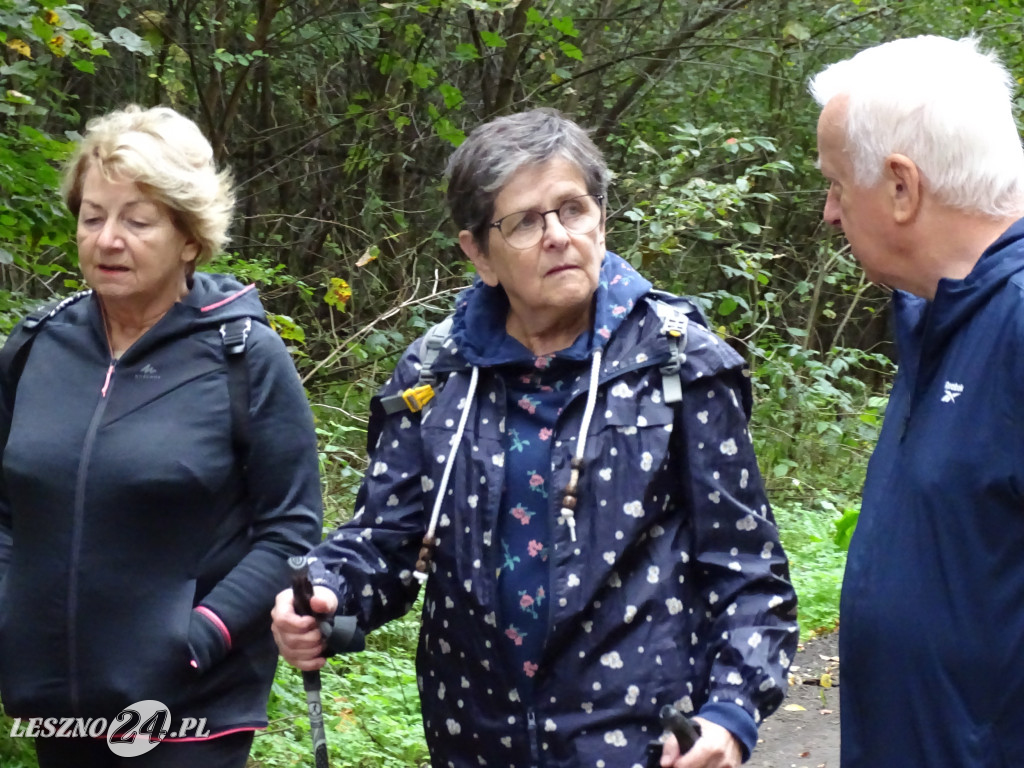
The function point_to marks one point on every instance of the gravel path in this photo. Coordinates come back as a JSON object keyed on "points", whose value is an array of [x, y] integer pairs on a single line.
{"points": [[804, 731]]}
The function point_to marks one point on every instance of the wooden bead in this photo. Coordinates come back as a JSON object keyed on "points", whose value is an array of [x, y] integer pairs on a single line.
{"points": [[426, 554], [569, 501]]}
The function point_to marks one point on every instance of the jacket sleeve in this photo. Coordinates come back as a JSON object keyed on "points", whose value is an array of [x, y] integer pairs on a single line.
{"points": [[283, 491], [12, 358], [750, 630], [7, 386], [369, 561]]}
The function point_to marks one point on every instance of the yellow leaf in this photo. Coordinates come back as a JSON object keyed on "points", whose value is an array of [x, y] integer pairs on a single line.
{"points": [[338, 294], [20, 46], [826, 680], [794, 708], [367, 257]]}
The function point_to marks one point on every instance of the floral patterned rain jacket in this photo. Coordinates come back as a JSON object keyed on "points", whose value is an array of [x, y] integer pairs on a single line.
{"points": [[675, 590]]}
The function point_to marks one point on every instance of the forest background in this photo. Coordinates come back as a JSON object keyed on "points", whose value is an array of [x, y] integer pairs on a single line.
{"points": [[337, 116]]}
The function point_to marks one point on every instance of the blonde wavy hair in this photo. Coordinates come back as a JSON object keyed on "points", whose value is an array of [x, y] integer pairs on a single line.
{"points": [[167, 155]]}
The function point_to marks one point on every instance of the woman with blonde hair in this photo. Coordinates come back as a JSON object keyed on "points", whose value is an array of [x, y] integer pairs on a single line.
{"points": [[159, 467]]}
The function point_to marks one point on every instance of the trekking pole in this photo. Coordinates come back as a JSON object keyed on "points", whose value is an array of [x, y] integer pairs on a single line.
{"points": [[302, 589], [679, 725]]}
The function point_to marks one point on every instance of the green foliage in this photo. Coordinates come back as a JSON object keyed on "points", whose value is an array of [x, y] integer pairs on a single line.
{"points": [[371, 702], [816, 563], [694, 196], [845, 526], [15, 753]]}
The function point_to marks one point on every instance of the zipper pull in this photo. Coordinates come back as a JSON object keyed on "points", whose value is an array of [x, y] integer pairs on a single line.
{"points": [[106, 383]]}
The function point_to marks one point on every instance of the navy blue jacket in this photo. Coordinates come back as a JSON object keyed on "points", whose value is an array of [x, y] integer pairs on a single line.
{"points": [[933, 598], [124, 507], [675, 591]]}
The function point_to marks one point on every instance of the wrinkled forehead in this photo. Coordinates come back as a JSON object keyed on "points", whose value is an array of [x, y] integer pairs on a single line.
{"points": [[832, 134]]}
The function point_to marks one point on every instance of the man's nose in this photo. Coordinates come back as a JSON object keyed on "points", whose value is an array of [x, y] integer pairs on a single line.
{"points": [[831, 212]]}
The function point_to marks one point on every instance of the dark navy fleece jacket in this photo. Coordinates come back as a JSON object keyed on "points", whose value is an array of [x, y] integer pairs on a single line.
{"points": [[124, 508], [933, 598]]}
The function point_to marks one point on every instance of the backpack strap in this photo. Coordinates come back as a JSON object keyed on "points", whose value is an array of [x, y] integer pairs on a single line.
{"points": [[415, 398], [676, 316], [15, 351], [233, 335]]}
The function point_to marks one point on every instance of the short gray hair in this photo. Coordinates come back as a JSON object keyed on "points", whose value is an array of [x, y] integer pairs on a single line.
{"points": [[495, 150], [943, 103], [166, 153]]}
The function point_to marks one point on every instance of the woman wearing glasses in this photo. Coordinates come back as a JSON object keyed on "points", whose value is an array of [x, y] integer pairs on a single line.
{"points": [[596, 542]]}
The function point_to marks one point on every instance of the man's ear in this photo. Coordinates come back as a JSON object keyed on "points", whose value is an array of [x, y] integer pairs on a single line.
{"points": [[480, 259], [903, 182]]}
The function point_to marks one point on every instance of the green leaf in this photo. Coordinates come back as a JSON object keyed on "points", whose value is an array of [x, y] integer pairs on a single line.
{"points": [[83, 65], [845, 526], [452, 95], [571, 51], [492, 39], [565, 26], [465, 52], [727, 307], [20, 69], [131, 41], [751, 227], [795, 31], [287, 328]]}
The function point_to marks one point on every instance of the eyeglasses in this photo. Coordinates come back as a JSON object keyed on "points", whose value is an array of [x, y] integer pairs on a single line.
{"points": [[524, 229]]}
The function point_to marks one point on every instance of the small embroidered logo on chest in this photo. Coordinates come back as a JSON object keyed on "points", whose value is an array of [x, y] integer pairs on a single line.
{"points": [[952, 391], [147, 372]]}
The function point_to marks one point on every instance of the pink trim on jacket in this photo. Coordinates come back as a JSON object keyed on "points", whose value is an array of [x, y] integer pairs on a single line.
{"points": [[216, 621], [229, 732], [229, 299]]}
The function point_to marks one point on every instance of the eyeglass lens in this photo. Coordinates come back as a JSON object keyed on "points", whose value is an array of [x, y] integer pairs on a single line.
{"points": [[578, 215]]}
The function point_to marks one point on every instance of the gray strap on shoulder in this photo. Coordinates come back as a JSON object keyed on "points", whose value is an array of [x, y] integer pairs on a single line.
{"points": [[433, 340], [408, 400], [674, 325]]}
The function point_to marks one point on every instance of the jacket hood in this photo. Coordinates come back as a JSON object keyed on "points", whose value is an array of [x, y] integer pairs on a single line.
{"points": [[221, 298], [478, 327], [957, 300], [212, 301]]}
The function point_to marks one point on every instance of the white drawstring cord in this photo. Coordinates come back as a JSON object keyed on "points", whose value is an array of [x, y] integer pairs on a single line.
{"points": [[572, 489], [423, 563]]}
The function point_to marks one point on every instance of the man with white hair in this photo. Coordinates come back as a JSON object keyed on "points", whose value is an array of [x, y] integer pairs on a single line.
{"points": [[926, 179]]}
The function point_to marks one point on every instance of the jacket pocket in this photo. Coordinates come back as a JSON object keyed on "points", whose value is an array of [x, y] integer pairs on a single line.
{"points": [[637, 427], [143, 653]]}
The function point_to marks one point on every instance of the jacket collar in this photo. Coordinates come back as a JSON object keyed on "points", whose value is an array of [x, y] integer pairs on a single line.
{"points": [[478, 330]]}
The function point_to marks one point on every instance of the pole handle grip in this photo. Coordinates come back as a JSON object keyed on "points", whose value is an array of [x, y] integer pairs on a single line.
{"points": [[302, 587]]}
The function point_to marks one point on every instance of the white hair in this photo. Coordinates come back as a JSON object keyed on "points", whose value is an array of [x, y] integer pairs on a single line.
{"points": [[943, 103]]}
